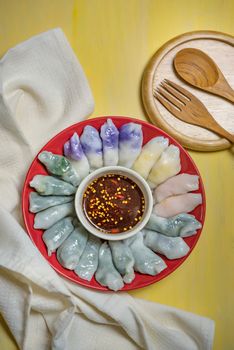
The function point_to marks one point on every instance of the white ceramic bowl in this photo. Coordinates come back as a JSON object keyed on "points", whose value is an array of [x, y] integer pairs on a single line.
{"points": [[118, 170]]}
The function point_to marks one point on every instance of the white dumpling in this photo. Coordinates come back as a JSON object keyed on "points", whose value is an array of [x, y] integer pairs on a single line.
{"points": [[167, 166], [182, 225], [178, 184], [88, 262], [106, 273], [56, 234], [92, 147], [146, 261], [69, 253], [150, 153], [48, 217], [38, 203], [130, 143], [172, 206], [110, 143], [74, 152], [123, 260], [171, 247], [50, 185]]}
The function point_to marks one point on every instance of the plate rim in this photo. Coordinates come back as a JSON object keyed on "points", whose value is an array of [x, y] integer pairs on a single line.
{"points": [[24, 206]]}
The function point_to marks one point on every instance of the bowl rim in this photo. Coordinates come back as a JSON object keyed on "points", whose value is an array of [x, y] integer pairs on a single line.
{"points": [[131, 174]]}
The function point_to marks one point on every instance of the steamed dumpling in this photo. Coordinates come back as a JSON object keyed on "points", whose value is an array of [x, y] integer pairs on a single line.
{"points": [[150, 153], [130, 143], [49, 185], [168, 165], [88, 262], [38, 203], [178, 184], [59, 166], [146, 261], [106, 273], [172, 206], [69, 253], [56, 234], [180, 225], [92, 147], [74, 152], [171, 247], [123, 260], [110, 143], [48, 217]]}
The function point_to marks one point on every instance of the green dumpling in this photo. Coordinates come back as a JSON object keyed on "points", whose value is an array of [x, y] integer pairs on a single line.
{"points": [[182, 225], [38, 203], [60, 166], [69, 253], [50, 185], [106, 273], [56, 234], [48, 217], [145, 261]]}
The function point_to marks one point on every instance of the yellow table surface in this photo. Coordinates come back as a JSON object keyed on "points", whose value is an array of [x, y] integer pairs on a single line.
{"points": [[114, 40]]}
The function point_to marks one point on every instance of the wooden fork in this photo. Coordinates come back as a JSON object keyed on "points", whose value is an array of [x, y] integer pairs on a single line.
{"points": [[187, 107]]}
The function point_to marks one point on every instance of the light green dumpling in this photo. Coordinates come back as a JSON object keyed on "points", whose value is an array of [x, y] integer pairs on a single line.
{"points": [[69, 253], [38, 203], [56, 235], [145, 261], [88, 262], [60, 166], [48, 217], [171, 247], [49, 185], [106, 273], [182, 225], [123, 260]]}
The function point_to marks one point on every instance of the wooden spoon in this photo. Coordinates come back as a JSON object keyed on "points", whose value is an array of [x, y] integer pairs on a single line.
{"points": [[199, 70]]}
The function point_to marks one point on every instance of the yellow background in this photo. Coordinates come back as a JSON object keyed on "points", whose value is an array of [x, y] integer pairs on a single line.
{"points": [[114, 40]]}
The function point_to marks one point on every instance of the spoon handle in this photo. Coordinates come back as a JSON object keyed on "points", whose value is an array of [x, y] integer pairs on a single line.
{"points": [[229, 95], [223, 89]]}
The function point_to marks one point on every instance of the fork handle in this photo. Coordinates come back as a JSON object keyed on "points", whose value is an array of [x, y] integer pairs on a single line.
{"points": [[221, 131]]}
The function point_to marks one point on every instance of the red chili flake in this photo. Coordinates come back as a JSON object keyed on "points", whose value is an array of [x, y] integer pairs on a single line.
{"points": [[120, 196], [114, 182], [114, 230]]}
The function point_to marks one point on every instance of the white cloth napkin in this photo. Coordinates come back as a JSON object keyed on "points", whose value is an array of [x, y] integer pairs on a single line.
{"points": [[43, 90]]}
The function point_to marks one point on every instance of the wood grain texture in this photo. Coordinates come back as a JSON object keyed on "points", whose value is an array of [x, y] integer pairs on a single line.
{"points": [[199, 70], [220, 47], [188, 108], [114, 41]]}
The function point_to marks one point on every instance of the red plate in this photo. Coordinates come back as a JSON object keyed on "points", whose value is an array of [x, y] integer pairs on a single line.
{"points": [[56, 145]]}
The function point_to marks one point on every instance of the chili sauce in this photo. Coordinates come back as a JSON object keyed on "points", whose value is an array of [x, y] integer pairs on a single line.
{"points": [[113, 203]]}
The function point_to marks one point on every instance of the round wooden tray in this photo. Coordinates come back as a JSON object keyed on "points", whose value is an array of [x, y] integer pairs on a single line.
{"points": [[218, 46]]}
